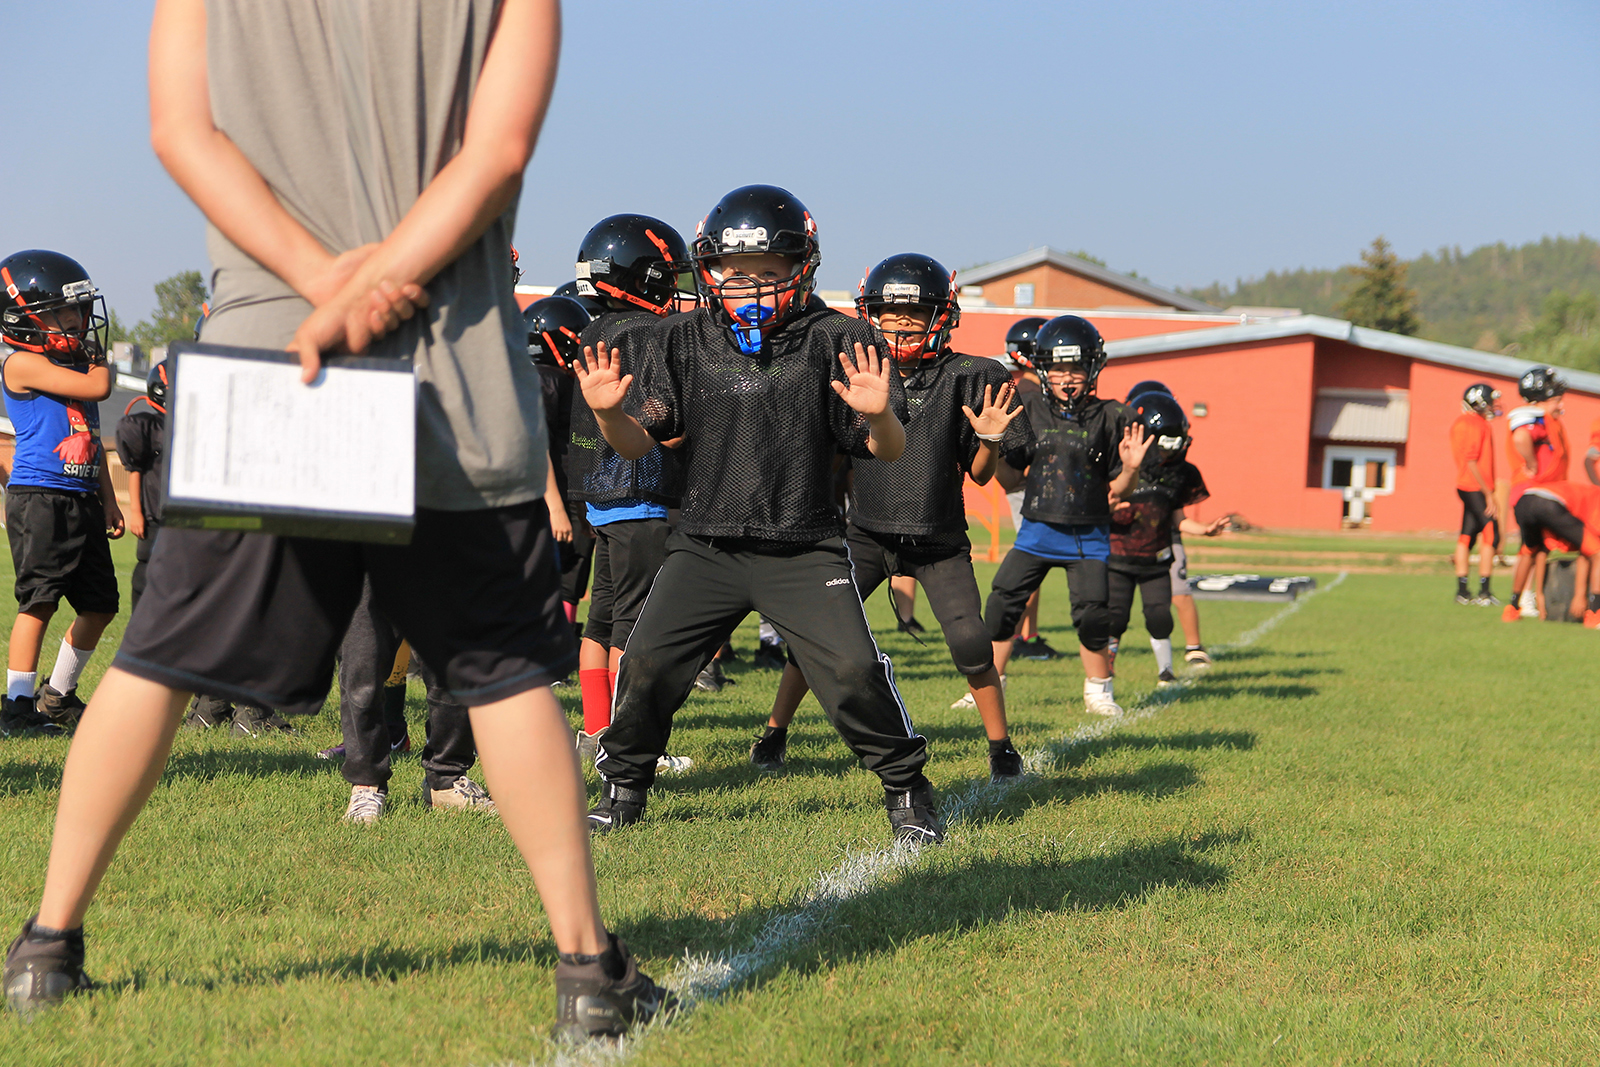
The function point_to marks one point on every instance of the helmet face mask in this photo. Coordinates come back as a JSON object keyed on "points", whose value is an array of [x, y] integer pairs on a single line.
{"points": [[755, 219], [916, 289], [554, 327], [51, 307], [155, 387], [1164, 424], [1067, 343], [633, 260], [1481, 398]]}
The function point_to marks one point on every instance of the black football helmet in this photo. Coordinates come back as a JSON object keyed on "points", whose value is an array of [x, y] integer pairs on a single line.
{"points": [[913, 279], [1541, 383], [155, 386], [633, 259], [1148, 386], [554, 324], [594, 307], [1481, 397], [1070, 340], [516, 271], [40, 284], [1019, 340], [1164, 423], [756, 218]]}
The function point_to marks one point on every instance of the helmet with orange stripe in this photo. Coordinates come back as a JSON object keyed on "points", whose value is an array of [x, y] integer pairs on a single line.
{"points": [[633, 261], [1019, 340], [554, 325], [51, 307], [905, 282], [755, 261], [155, 386]]}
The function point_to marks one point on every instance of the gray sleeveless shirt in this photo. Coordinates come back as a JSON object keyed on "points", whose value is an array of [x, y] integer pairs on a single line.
{"points": [[348, 108]]}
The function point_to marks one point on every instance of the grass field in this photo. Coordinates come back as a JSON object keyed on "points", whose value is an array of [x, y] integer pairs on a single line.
{"points": [[1365, 837]]}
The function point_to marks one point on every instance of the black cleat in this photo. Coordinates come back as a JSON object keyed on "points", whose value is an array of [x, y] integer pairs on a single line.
{"points": [[63, 709], [912, 626], [727, 653], [619, 806], [1004, 762], [1036, 649], [913, 817], [206, 712], [712, 680], [769, 657], [768, 751], [20, 718], [605, 995], [251, 720], [39, 974]]}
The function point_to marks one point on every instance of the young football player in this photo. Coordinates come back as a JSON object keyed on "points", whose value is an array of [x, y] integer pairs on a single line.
{"points": [[1084, 457], [1143, 524], [1564, 517], [1029, 643], [1536, 451], [402, 182], [60, 508], [765, 388], [1472, 445], [140, 444], [908, 517], [629, 264]]}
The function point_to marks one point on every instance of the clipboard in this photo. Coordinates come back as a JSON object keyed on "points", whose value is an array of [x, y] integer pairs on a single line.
{"points": [[251, 448]]}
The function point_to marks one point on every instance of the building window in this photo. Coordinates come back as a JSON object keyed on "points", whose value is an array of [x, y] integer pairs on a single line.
{"points": [[1360, 475], [1022, 295]]}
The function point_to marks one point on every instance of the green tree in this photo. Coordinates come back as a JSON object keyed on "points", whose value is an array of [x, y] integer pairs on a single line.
{"points": [[115, 329], [178, 302], [1566, 333], [1380, 298]]}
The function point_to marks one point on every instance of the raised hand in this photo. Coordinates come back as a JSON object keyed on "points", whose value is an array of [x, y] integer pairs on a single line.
{"points": [[1133, 446], [600, 377], [868, 391], [996, 413]]}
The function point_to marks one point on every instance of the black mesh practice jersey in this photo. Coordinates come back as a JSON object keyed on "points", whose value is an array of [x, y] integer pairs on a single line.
{"points": [[140, 447], [558, 386], [1071, 459], [595, 472], [760, 432], [921, 492], [1144, 533]]}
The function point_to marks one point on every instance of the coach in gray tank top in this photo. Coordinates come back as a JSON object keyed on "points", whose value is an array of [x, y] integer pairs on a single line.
{"points": [[367, 126]]}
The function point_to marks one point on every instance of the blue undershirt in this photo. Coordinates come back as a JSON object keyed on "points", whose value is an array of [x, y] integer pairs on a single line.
{"points": [[623, 511], [1062, 542]]}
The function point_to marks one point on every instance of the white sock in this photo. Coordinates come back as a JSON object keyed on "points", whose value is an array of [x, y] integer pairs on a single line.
{"points": [[70, 662], [1096, 686], [1528, 600], [1162, 647], [21, 684]]}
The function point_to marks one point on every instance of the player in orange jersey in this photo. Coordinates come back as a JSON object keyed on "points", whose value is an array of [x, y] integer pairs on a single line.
{"points": [[1473, 448], [1536, 446], [1564, 517]]}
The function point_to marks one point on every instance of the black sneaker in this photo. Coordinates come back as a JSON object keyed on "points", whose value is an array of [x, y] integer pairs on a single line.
{"points": [[1463, 598], [20, 718], [1197, 657], [912, 626], [63, 709], [712, 680], [250, 720], [206, 712], [1038, 649], [1166, 678], [39, 974], [605, 995], [768, 751], [727, 653], [619, 806], [769, 657], [1003, 763], [913, 817]]}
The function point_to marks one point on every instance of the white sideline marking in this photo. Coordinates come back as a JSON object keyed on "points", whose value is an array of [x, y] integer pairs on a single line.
{"points": [[701, 978]]}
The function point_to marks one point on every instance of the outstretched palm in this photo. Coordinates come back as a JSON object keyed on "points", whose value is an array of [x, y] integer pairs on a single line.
{"points": [[1133, 446], [996, 413], [601, 379], [868, 391]]}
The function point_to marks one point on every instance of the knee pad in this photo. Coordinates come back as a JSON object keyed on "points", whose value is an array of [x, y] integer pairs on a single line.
{"points": [[1159, 622], [1093, 621], [970, 646]]}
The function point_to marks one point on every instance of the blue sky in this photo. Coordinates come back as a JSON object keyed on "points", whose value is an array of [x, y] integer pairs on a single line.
{"points": [[1186, 139]]}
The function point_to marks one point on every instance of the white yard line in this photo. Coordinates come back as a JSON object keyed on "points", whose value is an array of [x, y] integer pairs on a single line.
{"points": [[701, 978]]}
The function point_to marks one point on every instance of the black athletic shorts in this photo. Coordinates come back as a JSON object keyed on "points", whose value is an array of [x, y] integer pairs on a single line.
{"points": [[1473, 516], [59, 549], [1537, 513], [256, 618], [627, 556]]}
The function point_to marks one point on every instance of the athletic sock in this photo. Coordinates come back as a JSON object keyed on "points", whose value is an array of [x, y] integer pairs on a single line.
{"points": [[595, 685], [21, 684], [1162, 647], [1093, 686], [1194, 648], [1594, 601], [1461, 587], [70, 662], [778, 731], [1483, 586]]}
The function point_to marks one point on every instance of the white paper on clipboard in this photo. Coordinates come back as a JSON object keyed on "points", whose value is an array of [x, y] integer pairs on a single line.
{"points": [[250, 433]]}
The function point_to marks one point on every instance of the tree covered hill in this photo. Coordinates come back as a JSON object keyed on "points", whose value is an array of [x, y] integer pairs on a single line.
{"points": [[1534, 297]]}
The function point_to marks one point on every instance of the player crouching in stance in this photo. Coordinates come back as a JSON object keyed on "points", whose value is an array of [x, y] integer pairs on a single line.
{"points": [[60, 508], [1565, 517], [908, 517], [1473, 449], [1084, 456], [1142, 526], [1536, 448], [765, 388]]}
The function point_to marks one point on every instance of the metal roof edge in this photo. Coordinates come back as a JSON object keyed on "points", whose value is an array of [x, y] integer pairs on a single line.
{"points": [[1078, 265], [1339, 330]]}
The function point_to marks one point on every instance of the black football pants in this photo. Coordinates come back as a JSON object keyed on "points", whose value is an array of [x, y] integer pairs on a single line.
{"points": [[702, 592], [944, 575], [1021, 573], [366, 659], [1155, 594]]}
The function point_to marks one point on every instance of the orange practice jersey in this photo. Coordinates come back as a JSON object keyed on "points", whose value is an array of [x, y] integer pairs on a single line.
{"points": [[1549, 448], [1583, 500], [1470, 440]]}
